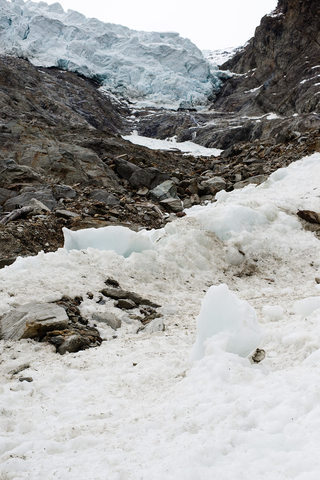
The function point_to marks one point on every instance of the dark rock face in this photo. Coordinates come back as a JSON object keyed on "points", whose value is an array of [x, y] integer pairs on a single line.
{"points": [[280, 63]]}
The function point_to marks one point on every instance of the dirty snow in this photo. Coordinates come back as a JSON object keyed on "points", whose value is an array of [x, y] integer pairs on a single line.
{"points": [[138, 407], [190, 148]]}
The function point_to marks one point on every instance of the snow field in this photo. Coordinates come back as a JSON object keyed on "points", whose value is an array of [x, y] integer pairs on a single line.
{"points": [[95, 415]]}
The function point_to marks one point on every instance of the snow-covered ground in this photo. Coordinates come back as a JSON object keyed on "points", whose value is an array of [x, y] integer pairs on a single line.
{"points": [[172, 144], [155, 68], [138, 407]]}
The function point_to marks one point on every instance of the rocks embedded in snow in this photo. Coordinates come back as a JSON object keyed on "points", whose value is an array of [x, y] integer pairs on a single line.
{"points": [[119, 294], [309, 216], [61, 325], [227, 319], [156, 325], [258, 355], [126, 303], [33, 320]]}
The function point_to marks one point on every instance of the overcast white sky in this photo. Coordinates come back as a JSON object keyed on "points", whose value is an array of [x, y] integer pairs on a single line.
{"points": [[210, 24]]}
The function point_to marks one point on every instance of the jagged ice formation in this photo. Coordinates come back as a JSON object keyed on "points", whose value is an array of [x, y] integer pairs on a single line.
{"points": [[147, 66]]}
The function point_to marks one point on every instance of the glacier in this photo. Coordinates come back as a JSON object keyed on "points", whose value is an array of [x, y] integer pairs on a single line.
{"points": [[150, 68]]}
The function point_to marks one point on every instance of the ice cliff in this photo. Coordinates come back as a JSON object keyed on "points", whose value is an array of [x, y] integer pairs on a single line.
{"points": [[146, 66]]}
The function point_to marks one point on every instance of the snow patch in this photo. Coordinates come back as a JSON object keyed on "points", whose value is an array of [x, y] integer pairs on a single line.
{"points": [[189, 148]]}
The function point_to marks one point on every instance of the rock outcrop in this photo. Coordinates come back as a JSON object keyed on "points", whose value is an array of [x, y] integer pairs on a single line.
{"points": [[279, 70]]}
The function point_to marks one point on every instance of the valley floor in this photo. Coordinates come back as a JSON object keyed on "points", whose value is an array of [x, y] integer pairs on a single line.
{"points": [[137, 407]]}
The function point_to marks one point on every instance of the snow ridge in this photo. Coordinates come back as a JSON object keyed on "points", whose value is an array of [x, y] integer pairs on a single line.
{"points": [[161, 68]]}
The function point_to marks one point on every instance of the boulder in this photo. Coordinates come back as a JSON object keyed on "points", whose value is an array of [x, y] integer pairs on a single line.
{"points": [[104, 196], [33, 320], [256, 180], [63, 191], [5, 194], [213, 185], [126, 303], [43, 195], [118, 293], [124, 168], [37, 206], [173, 204], [165, 190], [139, 177]]}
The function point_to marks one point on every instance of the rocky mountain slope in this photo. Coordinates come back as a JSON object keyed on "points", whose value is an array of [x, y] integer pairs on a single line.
{"points": [[274, 93], [61, 142]]}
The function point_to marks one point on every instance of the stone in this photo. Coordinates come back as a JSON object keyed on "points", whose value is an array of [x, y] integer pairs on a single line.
{"points": [[173, 204], [165, 190], [66, 214], [26, 379], [118, 293], [126, 303], [38, 207], [19, 369], [44, 196], [109, 318], [4, 262], [72, 344], [309, 216], [212, 185], [256, 180], [5, 194], [258, 355], [63, 191], [124, 168], [187, 203], [32, 320], [112, 282], [142, 191], [104, 196]]}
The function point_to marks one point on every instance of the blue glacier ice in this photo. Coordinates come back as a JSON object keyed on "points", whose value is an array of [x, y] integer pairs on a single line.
{"points": [[150, 67]]}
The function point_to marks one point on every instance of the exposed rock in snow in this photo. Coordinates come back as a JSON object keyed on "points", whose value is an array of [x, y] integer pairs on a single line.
{"points": [[33, 320], [156, 67]]}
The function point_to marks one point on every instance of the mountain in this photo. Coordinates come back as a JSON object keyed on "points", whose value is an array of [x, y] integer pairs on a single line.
{"points": [[273, 93], [149, 67], [279, 69]]}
